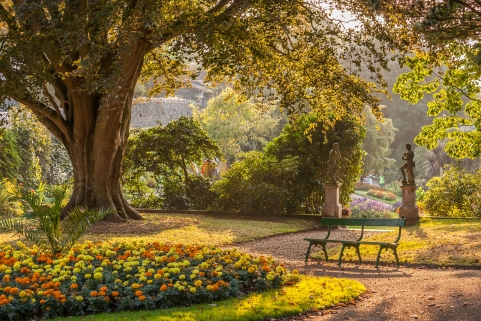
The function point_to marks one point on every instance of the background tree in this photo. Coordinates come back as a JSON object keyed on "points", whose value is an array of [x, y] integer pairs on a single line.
{"points": [[75, 64], [288, 175], [239, 126], [168, 153], [379, 137]]}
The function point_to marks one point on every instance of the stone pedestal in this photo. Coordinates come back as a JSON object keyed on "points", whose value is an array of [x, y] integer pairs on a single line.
{"points": [[331, 206], [409, 209]]}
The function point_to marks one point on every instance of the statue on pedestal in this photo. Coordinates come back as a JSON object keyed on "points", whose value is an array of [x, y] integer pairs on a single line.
{"points": [[408, 166], [332, 166]]}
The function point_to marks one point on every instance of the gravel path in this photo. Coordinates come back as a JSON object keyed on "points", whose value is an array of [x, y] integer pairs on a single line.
{"points": [[393, 294]]}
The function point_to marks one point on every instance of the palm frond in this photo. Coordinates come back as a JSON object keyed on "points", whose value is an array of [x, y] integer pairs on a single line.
{"points": [[78, 221]]}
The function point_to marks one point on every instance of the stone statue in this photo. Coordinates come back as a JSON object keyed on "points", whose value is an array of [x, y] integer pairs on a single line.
{"points": [[408, 166], [332, 166]]}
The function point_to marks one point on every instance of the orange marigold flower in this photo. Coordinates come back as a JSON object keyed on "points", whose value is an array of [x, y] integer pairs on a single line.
{"points": [[103, 289], [14, 291], [102, 293], [7, 289], [63, 300], [138, 293], [74, 286], [202, 273], [148, 273], [42, 301], [163, 287], [141, 298], [115, 293], [47, 308], [215, 287], [107, 299], [6, 278], [93, 293]]}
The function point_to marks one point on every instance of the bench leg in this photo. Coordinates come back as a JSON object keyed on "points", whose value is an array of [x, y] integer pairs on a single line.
{"points": [[378, 256], [340, 254], [323, 245], [358, 253], [394, 249], [308, 251]]}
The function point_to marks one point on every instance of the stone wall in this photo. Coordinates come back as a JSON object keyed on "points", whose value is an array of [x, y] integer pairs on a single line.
{"points": [[147, 113]]}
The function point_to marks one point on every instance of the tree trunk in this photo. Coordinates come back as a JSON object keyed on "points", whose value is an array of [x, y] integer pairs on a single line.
{"points": [[98, 140], [96, 154]]}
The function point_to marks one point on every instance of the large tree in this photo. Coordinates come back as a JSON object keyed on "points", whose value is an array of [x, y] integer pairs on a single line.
{"points": [[75, 64]]}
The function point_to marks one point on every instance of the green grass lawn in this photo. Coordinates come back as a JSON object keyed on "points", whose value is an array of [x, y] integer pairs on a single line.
{"points": [[364, 193], [182, 228], [310, 293], [438, 242]]}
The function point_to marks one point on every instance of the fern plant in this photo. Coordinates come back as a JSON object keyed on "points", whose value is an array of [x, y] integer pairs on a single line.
{"points": [[42, 224]]}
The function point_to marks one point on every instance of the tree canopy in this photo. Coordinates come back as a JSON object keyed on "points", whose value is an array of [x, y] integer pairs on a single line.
{"points": [[75, 65], [239, 126]]}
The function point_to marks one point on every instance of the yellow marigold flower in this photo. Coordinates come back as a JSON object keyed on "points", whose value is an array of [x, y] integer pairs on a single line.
{"points": [[198, 283], [157, 276], [181, 288], [193, 290], [98, 276], [149, 281], [181, 277], [88, 276], [295, 272], [22, 294], [79, 298], [135, 286], [270, 277]]}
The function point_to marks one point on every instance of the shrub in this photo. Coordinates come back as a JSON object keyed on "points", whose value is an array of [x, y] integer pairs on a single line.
{"points": [[359, 186], [457, 193], [287, 177], [365, 207], [379, 193], [101, 277], [42, 224]]}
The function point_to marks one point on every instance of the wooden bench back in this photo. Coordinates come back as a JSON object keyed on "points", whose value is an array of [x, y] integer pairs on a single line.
{"points": [[334, 221], [329, 221]]}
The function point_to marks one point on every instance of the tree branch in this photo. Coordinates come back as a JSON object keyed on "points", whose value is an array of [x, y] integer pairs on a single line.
{"points": [[47, 116], [52, 101], [221, 4]]}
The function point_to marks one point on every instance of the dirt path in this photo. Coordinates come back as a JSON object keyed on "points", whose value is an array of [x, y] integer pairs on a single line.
{"points": [[393, 294]]}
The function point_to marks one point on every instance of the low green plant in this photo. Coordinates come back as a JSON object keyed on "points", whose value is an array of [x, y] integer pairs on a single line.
{"points": [[41, 223], [457, 193]]}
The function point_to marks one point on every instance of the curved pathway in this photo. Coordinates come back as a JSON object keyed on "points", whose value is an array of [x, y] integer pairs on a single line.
{"points": [[393, 294]]}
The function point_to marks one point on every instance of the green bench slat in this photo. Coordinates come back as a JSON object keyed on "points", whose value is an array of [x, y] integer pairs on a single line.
{"points": [[363, 221]]}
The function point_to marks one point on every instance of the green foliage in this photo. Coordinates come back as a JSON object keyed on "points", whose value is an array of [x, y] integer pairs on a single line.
{"points": [[10, 159], [163, 155], [169, 150], [30, 154], [42, 224], [457, 193], [239, 126], [288, 175], [379, 136], [455, 103], [8, 206]]}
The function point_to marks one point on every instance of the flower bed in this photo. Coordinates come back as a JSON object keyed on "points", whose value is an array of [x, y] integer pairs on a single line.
{"points": [[385, 195], [101, 277], [371, 209]]}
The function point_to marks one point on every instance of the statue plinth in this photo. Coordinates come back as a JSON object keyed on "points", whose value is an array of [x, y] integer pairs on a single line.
{"points": [[331, 206], [409, 209]]}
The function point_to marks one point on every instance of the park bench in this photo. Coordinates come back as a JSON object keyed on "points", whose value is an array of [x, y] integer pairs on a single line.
{"points": [[363, 222]]}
